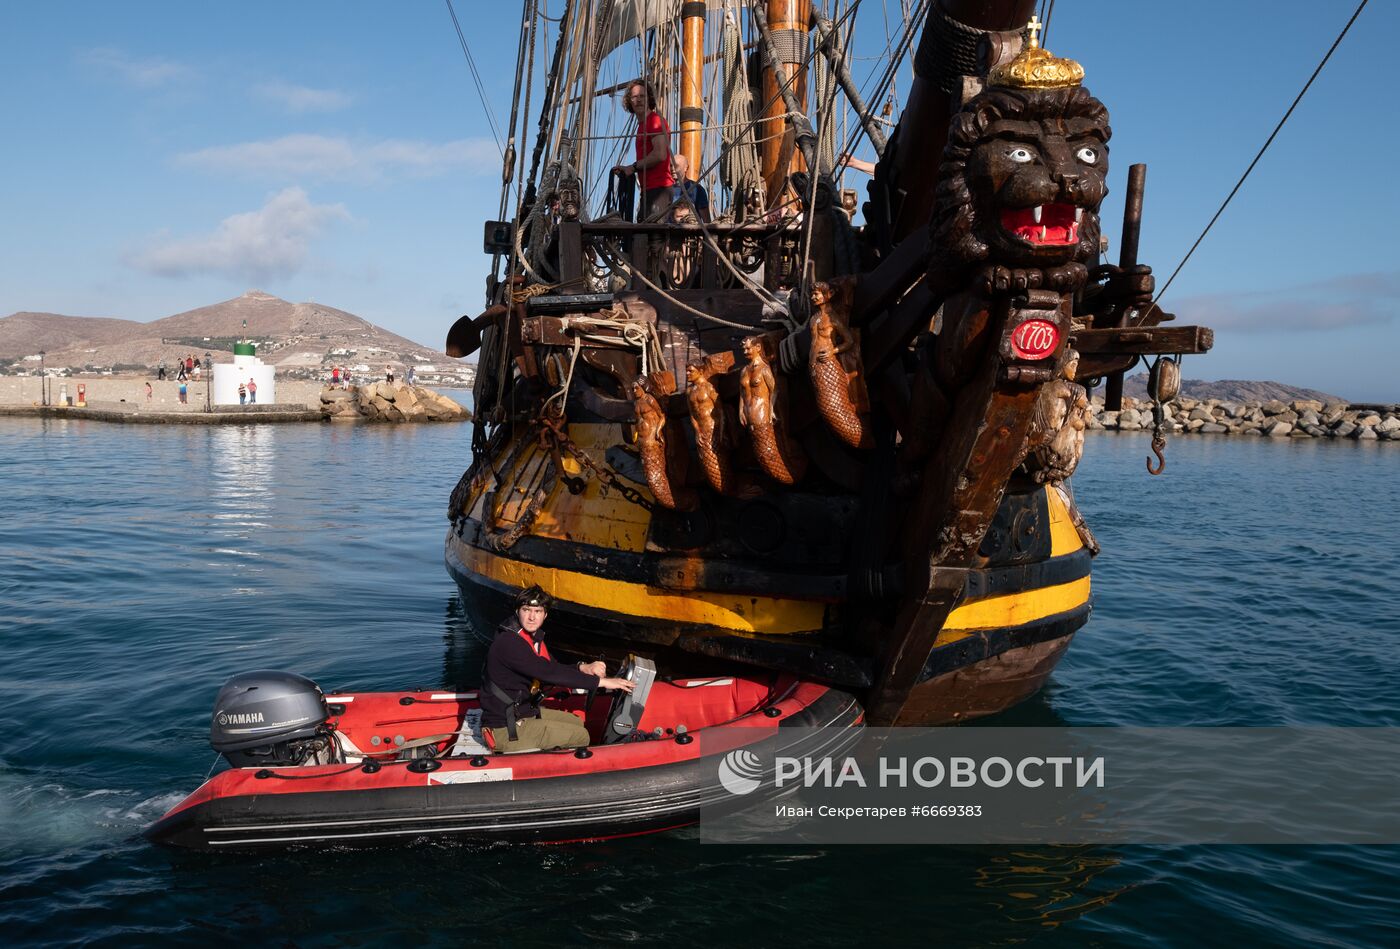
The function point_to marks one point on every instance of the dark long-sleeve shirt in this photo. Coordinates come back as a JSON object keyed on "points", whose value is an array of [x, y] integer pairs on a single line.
{"points": [[512, 664]]}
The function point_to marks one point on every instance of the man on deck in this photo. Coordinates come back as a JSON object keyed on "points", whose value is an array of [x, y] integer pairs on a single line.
{"points": [[688, 194], [653, 163], [517, 658]]}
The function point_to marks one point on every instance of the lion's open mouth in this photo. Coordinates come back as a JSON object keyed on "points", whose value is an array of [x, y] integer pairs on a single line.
{"points": [[1045, 224]]}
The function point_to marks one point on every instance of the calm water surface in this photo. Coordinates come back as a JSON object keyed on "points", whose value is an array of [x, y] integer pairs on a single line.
{"points": [[1255, 584]]}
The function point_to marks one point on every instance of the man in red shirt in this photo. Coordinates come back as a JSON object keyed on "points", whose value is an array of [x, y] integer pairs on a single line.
{"points": [[653, 150]]}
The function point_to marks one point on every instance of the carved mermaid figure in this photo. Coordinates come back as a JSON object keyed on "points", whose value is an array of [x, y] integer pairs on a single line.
{"points": [[834, 364], [713, 440], [651, 438], [759, 413]]}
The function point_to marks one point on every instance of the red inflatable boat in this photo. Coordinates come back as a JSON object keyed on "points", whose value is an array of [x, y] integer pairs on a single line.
{"points": [[392, 766]]}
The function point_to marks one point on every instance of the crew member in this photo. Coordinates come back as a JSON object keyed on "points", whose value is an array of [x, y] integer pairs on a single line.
{"points": [[687, 194], [653, 162], [517, 658]]}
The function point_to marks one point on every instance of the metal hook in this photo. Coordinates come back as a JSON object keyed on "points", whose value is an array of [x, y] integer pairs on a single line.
{"points": [[1158, 444]]}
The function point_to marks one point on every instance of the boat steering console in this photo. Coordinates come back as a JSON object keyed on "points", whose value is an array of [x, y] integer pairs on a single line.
{"points": [[627, 707]]}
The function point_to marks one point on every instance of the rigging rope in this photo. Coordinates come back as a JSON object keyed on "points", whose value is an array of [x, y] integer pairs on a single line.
{"points": [[1274, 134], [888, 76], [739, 158], [824, 88], [476, 78]]}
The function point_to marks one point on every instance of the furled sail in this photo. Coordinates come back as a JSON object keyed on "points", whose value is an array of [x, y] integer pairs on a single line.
{"points": [[625, 20]]}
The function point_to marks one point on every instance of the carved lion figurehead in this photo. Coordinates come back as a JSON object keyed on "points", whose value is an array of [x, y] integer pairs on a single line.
{"points": [[1023, 175]]}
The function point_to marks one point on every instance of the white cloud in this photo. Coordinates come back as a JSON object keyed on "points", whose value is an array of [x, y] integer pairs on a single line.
{"points": [[1361, 299], [143, 73], [327, 157], [302, 98], [255, 246]]}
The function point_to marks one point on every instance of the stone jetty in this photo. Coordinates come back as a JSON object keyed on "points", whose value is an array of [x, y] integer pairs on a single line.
{"points": [[1301, 418], [389, 402]]}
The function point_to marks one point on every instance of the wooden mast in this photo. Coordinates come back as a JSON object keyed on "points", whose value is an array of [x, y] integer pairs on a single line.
{"points": [[903, 191], [692, 82], [789, 21]]}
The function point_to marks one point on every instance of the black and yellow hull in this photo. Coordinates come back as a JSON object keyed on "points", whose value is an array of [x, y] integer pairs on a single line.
{"points": [[619, 580]]}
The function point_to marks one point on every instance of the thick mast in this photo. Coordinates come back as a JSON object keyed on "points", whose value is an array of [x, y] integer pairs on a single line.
{"points": [[692, 81], [788, 21]]}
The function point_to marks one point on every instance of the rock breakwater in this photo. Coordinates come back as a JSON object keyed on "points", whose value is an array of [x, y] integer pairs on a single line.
{"points": [[389, 402], [1301, 418]]}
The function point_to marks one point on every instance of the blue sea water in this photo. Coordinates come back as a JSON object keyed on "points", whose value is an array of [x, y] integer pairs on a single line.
{"points": [[1254, 584]]}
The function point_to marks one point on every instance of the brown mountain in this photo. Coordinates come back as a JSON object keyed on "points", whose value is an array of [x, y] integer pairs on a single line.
{"points": [[268, 317], [289, 334], [23, 334], [1231, 390]]}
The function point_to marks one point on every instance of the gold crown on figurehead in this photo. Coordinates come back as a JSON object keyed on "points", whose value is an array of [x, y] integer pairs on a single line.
{"points": [[1035, 68]]}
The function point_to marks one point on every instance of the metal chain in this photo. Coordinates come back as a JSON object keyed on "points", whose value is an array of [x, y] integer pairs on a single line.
{"points": [[555, 429]]}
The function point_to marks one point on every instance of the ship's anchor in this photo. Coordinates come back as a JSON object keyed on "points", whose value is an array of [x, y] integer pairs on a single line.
{"points": [[1163, 385]]}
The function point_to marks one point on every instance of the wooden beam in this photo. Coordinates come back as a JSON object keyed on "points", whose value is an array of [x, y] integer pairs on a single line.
{"points": [[550, 331], [1144, 340], [570, 252], [895, 274]]}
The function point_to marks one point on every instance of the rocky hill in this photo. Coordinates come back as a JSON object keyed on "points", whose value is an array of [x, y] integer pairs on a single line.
{"points": [[294, 336], [1232, 390], [22, 334]]}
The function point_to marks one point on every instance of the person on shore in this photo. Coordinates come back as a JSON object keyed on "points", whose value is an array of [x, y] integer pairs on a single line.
{"points": [[189, 365], [180, 370], [194, 373], [345, 376], [653, 163], [160, 371], [252, 392], [242, 394], [408, 375], [335, 377], [149, 392], [184, 393], [389, 374], [517, 657]]}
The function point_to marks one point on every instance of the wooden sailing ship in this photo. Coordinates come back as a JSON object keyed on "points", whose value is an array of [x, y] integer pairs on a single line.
{"points": [[778, 437]]}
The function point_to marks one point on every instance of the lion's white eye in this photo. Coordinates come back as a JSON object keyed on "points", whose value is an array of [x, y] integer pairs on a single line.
{"points": [[1087, 155], [1021, 155]]}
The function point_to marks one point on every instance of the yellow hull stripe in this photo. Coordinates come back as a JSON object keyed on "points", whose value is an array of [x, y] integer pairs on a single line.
{"points": [[742, 614], [746, 614], [1064, 539], [1013, 609]]}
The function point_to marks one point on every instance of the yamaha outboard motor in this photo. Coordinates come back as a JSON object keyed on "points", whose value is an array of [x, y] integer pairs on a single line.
{"points": [[271, 719]]}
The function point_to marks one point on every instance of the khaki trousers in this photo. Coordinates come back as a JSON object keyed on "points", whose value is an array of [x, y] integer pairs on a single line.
{"points": [[553, 729]]}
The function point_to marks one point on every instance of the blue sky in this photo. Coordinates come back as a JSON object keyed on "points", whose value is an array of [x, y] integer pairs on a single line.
{"points": [[162, 156]]}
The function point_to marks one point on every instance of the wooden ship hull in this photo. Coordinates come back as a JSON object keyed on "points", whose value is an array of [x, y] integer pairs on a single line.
{"points": [[592, 552], [780, 440]]}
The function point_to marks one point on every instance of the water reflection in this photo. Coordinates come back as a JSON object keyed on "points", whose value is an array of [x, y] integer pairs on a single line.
{"points": [[1046, 886], [240, 473], [464, 649]]}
